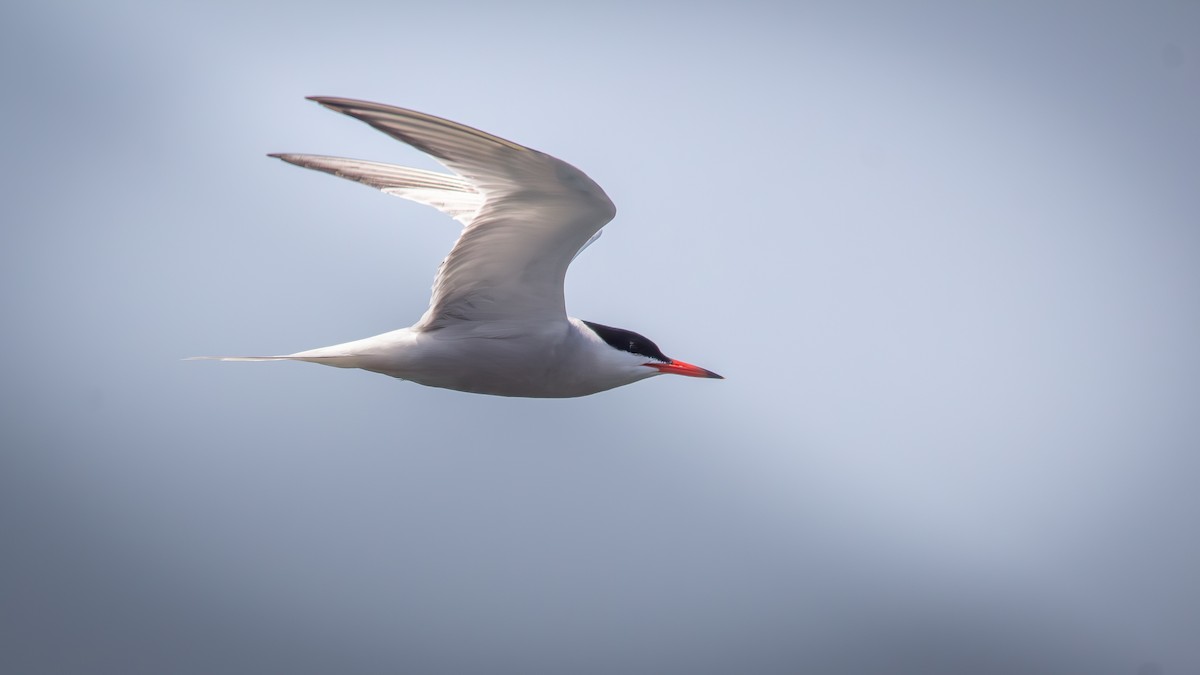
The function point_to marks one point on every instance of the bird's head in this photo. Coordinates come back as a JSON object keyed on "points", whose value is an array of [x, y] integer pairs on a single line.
{"points": [[639, 352]]}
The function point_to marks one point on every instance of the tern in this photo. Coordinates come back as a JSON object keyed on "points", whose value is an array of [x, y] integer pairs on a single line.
{"points": [[497, 322]]}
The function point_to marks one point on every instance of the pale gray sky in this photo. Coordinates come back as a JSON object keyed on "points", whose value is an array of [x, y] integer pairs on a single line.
{"points": [[947, 256]]}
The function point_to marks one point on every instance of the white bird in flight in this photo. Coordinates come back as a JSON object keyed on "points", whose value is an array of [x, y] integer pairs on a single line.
{"points": [[497, 322]]}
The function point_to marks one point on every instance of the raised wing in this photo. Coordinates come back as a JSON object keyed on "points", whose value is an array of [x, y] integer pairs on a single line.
{"points": [[537, 212]]}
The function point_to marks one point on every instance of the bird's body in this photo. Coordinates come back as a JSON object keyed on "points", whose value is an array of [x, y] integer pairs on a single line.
{"points": [[537, 361], [497, 322]]}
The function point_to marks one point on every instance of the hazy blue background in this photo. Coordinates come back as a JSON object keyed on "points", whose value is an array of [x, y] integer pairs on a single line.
{"points": [[947, 257]]}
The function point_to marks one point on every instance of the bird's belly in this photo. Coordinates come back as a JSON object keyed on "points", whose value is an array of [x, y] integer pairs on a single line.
{"points": [[499, 367], [533, 381]]}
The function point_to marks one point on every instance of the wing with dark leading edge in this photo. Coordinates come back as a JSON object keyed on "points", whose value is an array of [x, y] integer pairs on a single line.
{"points": [[536, 213]]}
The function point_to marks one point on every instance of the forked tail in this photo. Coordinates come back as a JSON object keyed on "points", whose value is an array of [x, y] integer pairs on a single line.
{"points": [[337, 361]]}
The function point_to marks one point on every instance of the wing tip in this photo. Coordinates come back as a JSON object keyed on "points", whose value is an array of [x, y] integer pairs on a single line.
{"points": [[340, 104], [289, 157]]}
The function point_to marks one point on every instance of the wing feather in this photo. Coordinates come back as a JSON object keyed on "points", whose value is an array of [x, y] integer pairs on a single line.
{"points": [[450, 194]]}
